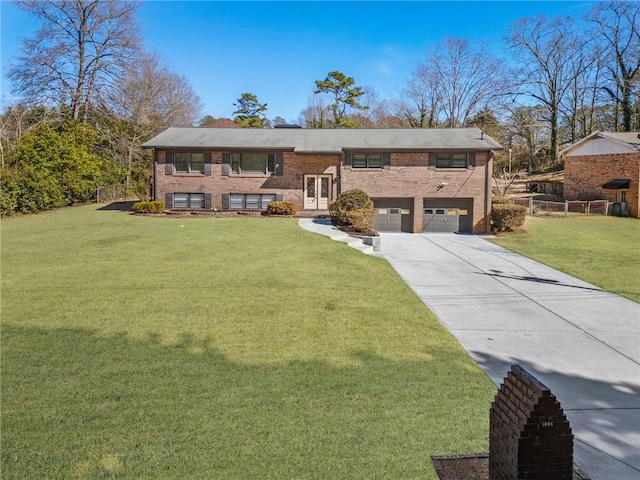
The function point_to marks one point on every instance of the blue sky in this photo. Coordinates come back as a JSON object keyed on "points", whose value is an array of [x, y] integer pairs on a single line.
{"points": [[277, 50]]}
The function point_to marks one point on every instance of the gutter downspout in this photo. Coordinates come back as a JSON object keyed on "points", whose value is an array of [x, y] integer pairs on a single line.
{"points": [[155, 177], [487, 191]]}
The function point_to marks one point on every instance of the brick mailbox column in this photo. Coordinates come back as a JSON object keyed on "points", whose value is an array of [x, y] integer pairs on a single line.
{"points": [[529, 435]]}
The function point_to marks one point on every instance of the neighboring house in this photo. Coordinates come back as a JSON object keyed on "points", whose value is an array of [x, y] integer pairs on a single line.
{"points": [[604, 165], [419, 179]]}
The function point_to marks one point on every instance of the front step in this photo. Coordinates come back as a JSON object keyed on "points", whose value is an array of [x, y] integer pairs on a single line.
{"points": [[313, 214]]}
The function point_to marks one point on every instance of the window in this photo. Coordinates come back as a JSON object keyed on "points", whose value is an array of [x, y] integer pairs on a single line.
{"points": [[188, 200], [238, 201], [186, 162], [623, 196], [370, 160], [253, 163], [451, 160]]}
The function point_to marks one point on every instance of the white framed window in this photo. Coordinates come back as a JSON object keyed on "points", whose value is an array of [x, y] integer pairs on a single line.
{"points": [[622, 195], [250, 201], [188, 200]]}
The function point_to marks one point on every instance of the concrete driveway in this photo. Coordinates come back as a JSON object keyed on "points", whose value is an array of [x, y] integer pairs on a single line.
{"points": [[583, 343]]}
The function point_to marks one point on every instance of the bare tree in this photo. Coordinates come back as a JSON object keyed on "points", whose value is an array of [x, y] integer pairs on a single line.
{"points": [[149, 98], [464, 76], [617, 24], [421, 98], [154, 96], [16, 121], [79, 52], [368, 100], [527, 132], [317, 114], [543, 50], [383, 114]]}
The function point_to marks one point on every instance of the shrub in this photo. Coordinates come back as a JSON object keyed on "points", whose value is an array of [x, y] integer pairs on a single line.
{"points": [[9, 191], [348, 201], [362, 220], [507, 217], [281, 208], [156, 206], [501, 200]]}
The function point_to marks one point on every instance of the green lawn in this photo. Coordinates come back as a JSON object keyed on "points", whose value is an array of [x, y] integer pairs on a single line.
{"points": [[604, 251], [140, 347]]}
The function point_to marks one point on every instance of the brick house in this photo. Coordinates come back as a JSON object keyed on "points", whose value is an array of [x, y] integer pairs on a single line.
{"points": [[604, 165], [419, 179]]}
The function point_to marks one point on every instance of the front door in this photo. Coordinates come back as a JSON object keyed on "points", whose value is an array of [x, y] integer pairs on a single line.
{"points": [[317, 192]]}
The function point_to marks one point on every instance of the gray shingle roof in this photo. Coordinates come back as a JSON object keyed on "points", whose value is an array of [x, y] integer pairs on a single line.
{"points": [[303, 140]]}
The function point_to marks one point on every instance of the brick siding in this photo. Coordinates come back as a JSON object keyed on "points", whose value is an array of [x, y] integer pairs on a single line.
{"points": [[529, 435], [584, 176], [408, 177]]}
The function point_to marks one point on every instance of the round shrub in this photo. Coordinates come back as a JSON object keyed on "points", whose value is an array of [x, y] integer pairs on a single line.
{"points": [[346, 202], [281, 208], [362, 220], [507, 217], [156, 206]]}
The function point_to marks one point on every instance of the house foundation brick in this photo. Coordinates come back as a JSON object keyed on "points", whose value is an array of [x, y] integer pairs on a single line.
{"points": [[403, 173], [529, 435], [584, 176]]}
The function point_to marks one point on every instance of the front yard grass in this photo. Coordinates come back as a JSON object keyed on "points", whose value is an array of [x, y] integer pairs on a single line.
{"points": [[140, 347], [604, 251]]}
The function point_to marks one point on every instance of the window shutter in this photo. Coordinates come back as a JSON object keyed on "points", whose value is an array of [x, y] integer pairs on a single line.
{"points": [[279, 163], [279, 197], [207, 201], [168, 200], [207, 163], [347, 160], [386, 161], [225, 201], [168, 166], [432, 160], [472, 160], [226, 164]]}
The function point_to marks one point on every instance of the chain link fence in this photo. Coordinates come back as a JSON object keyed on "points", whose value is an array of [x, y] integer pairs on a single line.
{"points": [[112, 193]]}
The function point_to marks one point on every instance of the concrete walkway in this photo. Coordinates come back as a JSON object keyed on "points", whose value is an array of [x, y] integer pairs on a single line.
{"points": [[504, 309]]}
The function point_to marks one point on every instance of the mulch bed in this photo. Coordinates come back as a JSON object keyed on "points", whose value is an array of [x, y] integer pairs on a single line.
{"points": [[474, 467]]}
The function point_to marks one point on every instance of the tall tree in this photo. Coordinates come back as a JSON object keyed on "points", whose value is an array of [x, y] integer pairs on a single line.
{"points": [[462, 76], [543, 50], [149, 98], [421, 98], [249, 111], [345, 94], [316, 114], [617, 24], [79, 52], [578, 106]]}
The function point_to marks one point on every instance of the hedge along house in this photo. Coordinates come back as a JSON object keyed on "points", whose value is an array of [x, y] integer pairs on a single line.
{"points": [[604, 165], [419, 179]]}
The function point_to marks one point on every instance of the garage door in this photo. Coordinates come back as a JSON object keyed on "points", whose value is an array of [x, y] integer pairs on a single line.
{"points": [[464, 206], [388, 220], [441, 220]]}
